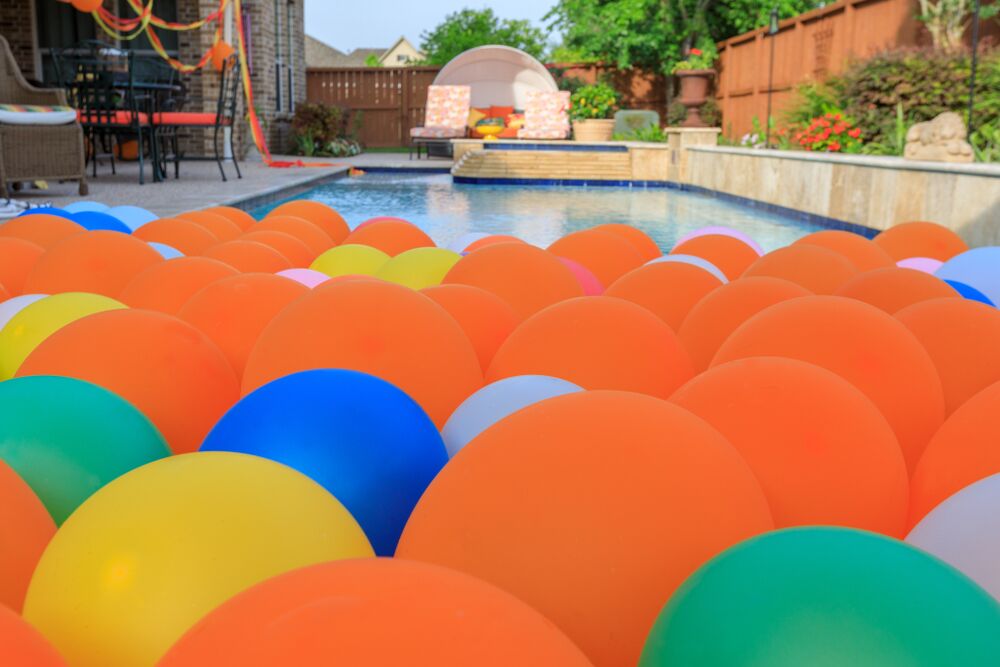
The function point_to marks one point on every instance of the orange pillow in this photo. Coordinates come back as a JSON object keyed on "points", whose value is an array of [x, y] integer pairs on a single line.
{"points": [[500, 112]]}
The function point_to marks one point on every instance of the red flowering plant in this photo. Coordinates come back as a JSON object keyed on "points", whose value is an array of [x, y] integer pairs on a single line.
{"points": [[829, 133]]}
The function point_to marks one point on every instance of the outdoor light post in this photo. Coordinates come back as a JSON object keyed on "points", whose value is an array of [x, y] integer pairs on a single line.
{"points": [[772, 30], [975, 59]]}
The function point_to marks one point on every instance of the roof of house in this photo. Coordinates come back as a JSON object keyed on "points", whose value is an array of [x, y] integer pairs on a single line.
{"points": [[321, 54]]}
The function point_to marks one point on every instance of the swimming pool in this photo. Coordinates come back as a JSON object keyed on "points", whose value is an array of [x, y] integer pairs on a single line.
{"points": [[541, 214]]}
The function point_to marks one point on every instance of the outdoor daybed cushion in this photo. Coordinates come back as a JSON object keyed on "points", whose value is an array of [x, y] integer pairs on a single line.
{"points": [[34, 114], [546, 115]]}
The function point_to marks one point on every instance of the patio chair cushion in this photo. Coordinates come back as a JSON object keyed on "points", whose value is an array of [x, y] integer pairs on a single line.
{"points": [[34, 114], [185, 118], [546, 115], [437, 132], [448, 107], [116, 118]]}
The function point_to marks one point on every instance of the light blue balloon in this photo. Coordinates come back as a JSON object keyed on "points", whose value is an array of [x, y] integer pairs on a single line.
{"points": [[166, 251], [98, 220], [133, 216], [978, 268], [693, 261], [14, 305], [82, 206], [496, 401]]}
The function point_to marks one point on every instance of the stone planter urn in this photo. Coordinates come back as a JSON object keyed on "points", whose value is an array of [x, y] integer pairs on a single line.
{"points": [[593, 129], [694, 93]]}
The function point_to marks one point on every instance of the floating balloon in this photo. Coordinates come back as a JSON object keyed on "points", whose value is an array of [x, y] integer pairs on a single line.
{"points": [[639, 239], [892, 289], [133, 216], [496, 401], [526, 277], [158, 363], [306, 277], [693, 261], [485, 318], [184, 235], [167, 286], [166, 252], [25, 529], [606, 254], [374, 327], [362, 439], [418, 268], [297, 252], [970, 293], [96, 220], [391, 236], [179, 536], [80, 206], [601, 487], [862, 344], [17, 257], [825, 596], [68, 438], [925, 264], [447, 618], [220, 226], [350, 260], [820, 270], [822, 451], [47, 210], [596, 342], [588, 281], [732, 256], [40, 229], [22, 645], [239, 217], [98, 262], [859, 251], [978, 268], [669, 290], [719, 230], [491, 239], [39, 319], [310, 233], [14, 305], [921, 239], [318, 213], [249, 257]]}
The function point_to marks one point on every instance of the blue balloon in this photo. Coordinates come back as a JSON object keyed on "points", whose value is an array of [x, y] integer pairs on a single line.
{"points": [[496, 401], [46, 210], [693, 261], [361, 438], [94, 220], [970, 293], [166, 251], [133, 216], [978, 268], [86, 205]]}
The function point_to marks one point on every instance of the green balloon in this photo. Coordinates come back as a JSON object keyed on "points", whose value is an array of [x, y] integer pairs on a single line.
{"points": [[67, 438], [825, 597]]}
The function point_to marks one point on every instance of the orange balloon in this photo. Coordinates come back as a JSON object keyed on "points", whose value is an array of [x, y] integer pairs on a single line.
{"points": [[819, 270], [961, 337], [309, 233], [859, 251], [963, 451], [639, 239], [485, 318], [375, 327], [710, 321], [607, 255], [391, 236], [221, 227], [526, 277], [40, 228], [669, 290], [100, 262], [921, 239], [597, 342], [592, 507], [17, 257], [25, 530], [731, 255], [342, 613], [862, 344], [892, 289], [165, 287], [183, 235], [318, 213], [233, 311], [822, 451], [163, 366], [249, 256], [23, 646], [220, 52], [238, 217], [493, 239], [297, 252]]}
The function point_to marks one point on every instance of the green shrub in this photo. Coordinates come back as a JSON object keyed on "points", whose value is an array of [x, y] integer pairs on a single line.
{"points": [[323, 130], [676, 113], [595, 101]]}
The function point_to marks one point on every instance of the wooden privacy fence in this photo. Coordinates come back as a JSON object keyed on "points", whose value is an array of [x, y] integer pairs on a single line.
{"points": [[391, 99]]}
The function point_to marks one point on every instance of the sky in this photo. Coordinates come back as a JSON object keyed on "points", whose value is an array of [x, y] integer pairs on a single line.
{"points": [[350, 24]]}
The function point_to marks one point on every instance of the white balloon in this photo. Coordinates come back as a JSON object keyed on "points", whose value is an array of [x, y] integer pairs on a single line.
{"points": [[14, 305], [964, 531], [496, 401], [693, 261]]}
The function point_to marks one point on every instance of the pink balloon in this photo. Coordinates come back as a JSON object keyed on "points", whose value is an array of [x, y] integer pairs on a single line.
{"points": [[307, 277], [380, 218], [925, 264], [720, 230], [588, 281]]}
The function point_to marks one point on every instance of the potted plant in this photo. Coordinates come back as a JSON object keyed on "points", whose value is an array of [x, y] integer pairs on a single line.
{"points": [[591, 109], [695, 74]]}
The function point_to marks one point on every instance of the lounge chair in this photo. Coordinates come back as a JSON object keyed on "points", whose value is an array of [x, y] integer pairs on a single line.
{"points": [[40, 137], [546, 115], [446, 117]]}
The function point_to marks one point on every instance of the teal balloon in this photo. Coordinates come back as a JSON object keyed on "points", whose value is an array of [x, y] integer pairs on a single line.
{"points": [[825, 597], [67, 438]]}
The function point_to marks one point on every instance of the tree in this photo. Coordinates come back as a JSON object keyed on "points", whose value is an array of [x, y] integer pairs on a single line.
{"points": [[470, 28], [371, 60]]}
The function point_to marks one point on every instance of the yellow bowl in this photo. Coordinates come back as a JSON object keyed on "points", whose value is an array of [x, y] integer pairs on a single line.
{"points": [[489, 130]]}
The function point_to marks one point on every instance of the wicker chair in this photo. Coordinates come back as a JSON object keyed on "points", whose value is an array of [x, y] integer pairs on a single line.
{"points": [[36, 152]]}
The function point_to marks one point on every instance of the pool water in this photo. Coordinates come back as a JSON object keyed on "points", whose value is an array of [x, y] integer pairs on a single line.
{"points": [[541, 214]]}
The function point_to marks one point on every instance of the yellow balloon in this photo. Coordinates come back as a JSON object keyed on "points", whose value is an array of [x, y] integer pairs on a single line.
{"points": [[419, 268], [39, 320], [350, 260], [144, 558]]}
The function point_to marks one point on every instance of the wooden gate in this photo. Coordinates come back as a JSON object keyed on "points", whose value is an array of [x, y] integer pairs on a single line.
{"points": [[391, 99]]}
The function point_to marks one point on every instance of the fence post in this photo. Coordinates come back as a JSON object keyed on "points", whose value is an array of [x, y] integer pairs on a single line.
{"points": [[404, 107]]}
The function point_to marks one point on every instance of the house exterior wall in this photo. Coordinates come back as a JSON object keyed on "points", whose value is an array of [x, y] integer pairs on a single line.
{"points": [[403, 49], [17, 25]]}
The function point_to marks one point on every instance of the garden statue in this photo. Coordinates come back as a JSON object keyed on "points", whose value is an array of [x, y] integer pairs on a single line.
{"points": [[939, 140]]}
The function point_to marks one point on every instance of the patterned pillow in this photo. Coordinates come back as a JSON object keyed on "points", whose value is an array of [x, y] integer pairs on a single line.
{"points": [[497, 122], [476, 115]]}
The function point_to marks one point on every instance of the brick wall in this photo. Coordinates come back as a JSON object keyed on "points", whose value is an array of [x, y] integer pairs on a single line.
{"points": [[15, 25]]}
